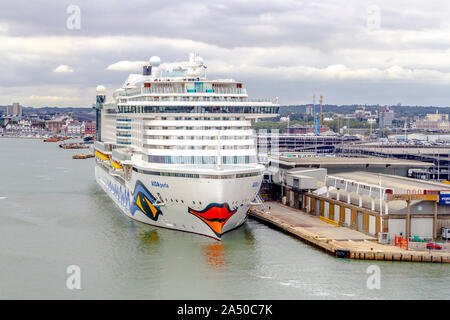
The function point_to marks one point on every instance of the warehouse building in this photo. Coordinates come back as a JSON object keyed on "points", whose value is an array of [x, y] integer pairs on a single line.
{"points": [[370, 202]]}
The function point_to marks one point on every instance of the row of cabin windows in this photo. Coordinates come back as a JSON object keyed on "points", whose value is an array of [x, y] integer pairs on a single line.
{"points": [[201, 118], [194, 128], [196, 109], [177, 137], [190, 118], [195, 175], [189, 98], [201, 159], [150, 146]]}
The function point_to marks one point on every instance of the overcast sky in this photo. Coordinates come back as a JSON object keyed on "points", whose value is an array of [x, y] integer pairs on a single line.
{"points": [[350, 51]]}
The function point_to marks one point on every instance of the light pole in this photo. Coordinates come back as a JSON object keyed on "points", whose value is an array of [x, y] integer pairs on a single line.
{"points": [[371, 121]]}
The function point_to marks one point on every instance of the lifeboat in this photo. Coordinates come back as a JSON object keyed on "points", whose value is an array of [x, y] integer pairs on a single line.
{"points": [[116, 165], [101, 156]]}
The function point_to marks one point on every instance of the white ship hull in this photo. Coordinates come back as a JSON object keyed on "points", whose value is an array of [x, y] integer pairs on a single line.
{"points": [[208, 207]]}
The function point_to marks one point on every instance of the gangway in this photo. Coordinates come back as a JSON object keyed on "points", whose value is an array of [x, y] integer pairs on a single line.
{"points": [[259, 202]]}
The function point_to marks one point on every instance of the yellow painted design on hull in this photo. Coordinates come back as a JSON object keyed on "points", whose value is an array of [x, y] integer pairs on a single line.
{"points": [[150, 205], [152, 208], [139, 204]]}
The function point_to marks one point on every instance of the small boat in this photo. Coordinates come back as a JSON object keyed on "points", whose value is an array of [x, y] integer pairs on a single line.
{"points": [[73, 146], [53, 139], [82, 156]]}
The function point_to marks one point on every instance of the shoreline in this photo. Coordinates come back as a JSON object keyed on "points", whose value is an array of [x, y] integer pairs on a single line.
{"points": [[33, 138], [21, 137]]}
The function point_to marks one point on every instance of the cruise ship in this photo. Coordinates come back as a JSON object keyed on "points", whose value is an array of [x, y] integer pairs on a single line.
{"points": [[176, 150]]}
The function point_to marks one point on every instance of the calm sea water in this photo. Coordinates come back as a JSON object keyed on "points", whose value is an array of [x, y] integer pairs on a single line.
{"points": [[53, 214]]}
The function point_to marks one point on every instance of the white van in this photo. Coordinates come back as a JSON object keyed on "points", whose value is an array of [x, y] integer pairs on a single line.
{"points": [[445, 233]]}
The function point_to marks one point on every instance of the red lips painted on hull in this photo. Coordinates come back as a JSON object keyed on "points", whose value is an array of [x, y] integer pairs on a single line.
{"points": [[215, 215]]}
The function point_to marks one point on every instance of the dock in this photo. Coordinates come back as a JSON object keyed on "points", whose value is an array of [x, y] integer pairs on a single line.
{"points": [[338, 241]]}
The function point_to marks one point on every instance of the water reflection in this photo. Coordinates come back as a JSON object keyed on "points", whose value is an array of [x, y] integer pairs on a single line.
{"points": [[214, 254], [149, 237], [219, 255]]}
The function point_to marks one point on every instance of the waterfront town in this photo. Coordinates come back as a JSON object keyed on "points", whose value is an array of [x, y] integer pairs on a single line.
{"points": [[428, 126], [17, 121]]}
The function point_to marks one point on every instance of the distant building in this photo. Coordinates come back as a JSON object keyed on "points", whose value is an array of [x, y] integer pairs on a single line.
{"points": [[89, 127], [74, 129], [304, 129], [433, 122], [387, 115], [439, 117], [14, 110], [362, 113], [309, 110], [55, 126]]}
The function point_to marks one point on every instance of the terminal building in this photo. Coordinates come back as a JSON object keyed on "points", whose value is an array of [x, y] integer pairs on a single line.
{"points": [[438, 156], [371, 195], [295, 142]]}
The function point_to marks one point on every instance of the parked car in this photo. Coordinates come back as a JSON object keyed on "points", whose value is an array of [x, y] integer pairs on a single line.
{"points": [[432, 245]]}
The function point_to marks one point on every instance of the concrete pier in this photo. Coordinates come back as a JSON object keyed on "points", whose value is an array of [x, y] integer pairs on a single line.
{"points": [[338, 241]]}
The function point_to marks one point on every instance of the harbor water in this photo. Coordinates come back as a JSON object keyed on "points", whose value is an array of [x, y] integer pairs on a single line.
{"points": [[53, 215]]}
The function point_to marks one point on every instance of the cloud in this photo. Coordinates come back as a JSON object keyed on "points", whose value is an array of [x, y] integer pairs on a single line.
{"points": [[41, 95], [53, 99], [63, 68], [287, 48], [339, 72], [3, 27], [126, 65]]}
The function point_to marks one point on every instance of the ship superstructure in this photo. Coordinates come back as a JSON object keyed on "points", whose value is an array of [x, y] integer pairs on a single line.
{"points": [[176, 150]]}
